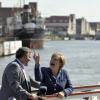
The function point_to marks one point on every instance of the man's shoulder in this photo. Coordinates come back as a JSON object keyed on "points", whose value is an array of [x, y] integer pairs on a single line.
{"points": [[13, 64], [11, 67]]}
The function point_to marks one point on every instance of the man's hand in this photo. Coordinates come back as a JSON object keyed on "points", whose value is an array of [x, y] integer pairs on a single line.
{"points": [[35, 97], [36, 57], [41, 98]]}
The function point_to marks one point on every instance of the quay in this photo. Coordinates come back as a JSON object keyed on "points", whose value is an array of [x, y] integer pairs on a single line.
{"points": [[9, 47]]}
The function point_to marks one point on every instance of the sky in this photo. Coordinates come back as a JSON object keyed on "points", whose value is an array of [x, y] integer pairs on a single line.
{"points": [[89, 9]]}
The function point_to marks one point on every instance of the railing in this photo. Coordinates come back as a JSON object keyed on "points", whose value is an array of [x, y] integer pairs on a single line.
{"points": [[89, 92]]}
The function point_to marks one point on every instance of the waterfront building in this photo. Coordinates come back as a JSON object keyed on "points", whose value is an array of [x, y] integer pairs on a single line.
{"points": [[83, 29], [96, 27], [61, 25]]}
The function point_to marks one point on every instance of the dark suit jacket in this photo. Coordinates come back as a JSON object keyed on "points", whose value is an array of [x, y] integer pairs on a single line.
{"points": [[14, 83], [53, 84]]}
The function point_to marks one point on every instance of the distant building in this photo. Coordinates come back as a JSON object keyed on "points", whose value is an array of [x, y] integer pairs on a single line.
{"points": [[61, 25], [83, 28], [96, 27]]}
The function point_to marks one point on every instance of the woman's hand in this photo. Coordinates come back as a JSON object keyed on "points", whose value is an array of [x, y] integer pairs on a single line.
{"points": [[60, 94], [36, 57]]}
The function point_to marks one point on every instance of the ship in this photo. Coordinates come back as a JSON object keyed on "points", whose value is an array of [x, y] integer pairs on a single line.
{"points": [[27, 28]]}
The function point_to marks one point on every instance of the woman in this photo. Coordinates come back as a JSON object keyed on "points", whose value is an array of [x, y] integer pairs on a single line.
{"points": [[55, 78]]}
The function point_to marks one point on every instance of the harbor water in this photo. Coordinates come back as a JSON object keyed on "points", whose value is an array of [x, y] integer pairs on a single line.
{"points": [[82, 60]]}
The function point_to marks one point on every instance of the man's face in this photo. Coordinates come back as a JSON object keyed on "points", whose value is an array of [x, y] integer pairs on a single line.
{"points": [[27, 58]]}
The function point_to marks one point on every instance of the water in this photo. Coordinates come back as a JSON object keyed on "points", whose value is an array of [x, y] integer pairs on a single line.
{"points": [[82, 60]]}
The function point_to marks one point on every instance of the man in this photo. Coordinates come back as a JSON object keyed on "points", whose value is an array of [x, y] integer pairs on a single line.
{"points": [[15, 83]]}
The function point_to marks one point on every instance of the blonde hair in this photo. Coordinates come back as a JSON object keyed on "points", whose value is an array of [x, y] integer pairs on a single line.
{"points": [[61, 58]]}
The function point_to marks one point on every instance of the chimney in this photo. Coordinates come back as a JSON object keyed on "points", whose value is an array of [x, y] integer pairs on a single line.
{"points": [[33, 6]]}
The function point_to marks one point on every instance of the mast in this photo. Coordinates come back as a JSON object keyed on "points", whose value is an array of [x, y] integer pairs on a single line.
{"points": [[20, 3]]}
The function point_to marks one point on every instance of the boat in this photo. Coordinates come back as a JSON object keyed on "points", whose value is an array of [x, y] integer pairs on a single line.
{"points": [[27, 28]]}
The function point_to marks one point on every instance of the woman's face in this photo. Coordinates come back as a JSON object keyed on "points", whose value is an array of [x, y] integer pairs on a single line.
{"points": [[55, 63]]}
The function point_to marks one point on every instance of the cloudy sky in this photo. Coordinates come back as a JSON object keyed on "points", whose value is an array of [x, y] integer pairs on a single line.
{"points": [[90, 9]]}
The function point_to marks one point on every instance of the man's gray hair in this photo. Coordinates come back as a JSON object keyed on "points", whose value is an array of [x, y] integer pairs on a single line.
{"points": [[22, 51]]}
